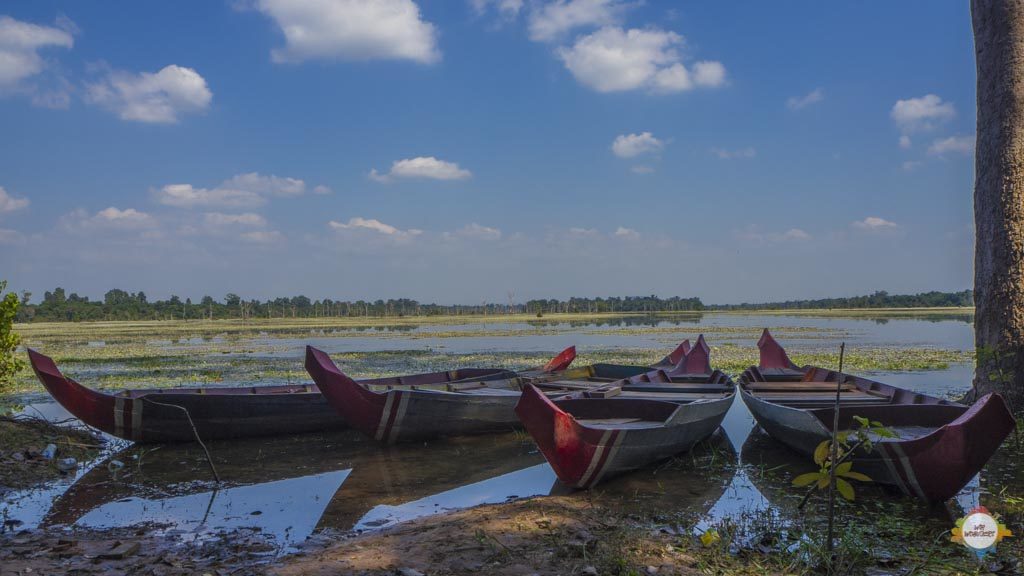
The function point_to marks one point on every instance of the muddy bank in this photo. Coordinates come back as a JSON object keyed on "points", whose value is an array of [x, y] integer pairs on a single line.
{"points": [[554, 535], [24, 460], [117, 552]]}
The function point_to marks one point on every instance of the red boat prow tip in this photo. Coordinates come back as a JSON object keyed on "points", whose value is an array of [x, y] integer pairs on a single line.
{"points": [[92, 408], [557, 434], [773, 355], [562, 361], [678, 354], [361, 408], [697, 360]]}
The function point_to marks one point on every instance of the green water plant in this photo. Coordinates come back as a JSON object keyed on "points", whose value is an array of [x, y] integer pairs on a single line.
{"points": [[848, 442]]}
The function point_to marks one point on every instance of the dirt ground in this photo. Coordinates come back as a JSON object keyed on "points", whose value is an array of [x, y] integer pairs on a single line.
{"points": [[122, 552], [544, 536]]}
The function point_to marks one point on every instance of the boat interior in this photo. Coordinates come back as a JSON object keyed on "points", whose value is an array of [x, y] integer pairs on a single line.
{"points": [[617, 414], [813, 387]]}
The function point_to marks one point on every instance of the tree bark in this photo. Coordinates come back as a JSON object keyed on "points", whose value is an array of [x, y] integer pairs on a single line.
{"points": [[999, 199]]}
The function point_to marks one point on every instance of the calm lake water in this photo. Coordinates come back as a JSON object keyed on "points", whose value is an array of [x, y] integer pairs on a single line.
{"points": [[293, 487]]}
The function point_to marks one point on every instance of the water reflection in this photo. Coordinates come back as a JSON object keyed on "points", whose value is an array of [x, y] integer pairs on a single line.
{"points": [[286, 510]]}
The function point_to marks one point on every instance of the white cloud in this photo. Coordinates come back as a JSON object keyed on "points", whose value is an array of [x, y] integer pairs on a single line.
{"points": [[159, 98], [509, 9], [9, 203], [955, 144], [219, 220], [322, 190], [875, 223], [422, 167], [632, 145], [20, 43], [723, 154], [552, 20], [627, 233], [240, 191], [613, 60], [641, 169], [911, 165], [755, 235], [583, 232], [351, 30], [363, 224], [108, 219], [795, 234], [924, 113], [709, 74], [475, 231], [188, 196], [801, 102], [262, 237], [266, 185], [11, 237], [905, 142]]}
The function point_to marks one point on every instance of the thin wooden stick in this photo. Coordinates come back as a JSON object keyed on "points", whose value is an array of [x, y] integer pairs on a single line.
{"points": [[835, 452], [209, 458]]}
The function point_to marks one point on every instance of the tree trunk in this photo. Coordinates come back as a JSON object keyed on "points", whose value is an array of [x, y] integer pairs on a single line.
{"points": [[999, 199]]}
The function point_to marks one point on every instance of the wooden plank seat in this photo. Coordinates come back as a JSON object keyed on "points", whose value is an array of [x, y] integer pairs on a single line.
{"points": [[699, 388], [844, 397], [672, 396], [781, 374], [613, 423], [797, 386]]}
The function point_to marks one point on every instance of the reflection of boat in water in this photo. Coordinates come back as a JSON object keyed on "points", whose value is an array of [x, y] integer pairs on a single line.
{"points": [[379, 486], [288, 510], [373, 475]]}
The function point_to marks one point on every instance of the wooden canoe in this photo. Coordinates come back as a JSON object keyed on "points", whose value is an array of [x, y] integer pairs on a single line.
{"points": [[151, 415], [466, 406], [941, 444], [630, 422]]}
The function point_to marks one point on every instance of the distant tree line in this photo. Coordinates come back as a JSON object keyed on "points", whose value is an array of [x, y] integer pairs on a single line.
{"points": [[879, 299], [59, 306]]}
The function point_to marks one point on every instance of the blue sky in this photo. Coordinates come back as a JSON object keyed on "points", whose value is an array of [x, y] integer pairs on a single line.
{"points": [[455, 151]]}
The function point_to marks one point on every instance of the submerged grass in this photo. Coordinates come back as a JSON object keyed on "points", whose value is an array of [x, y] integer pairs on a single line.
{"points": [[163, 354], [97, 368]]}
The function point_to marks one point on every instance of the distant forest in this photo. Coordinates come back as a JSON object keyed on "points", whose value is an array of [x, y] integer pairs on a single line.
{"points": [[59, 306]]}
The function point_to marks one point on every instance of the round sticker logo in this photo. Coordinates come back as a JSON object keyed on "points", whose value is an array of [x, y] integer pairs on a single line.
{"points": [[979, 531]]}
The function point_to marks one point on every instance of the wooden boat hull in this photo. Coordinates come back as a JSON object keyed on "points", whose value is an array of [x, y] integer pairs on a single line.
{"points": [[218, 413], [583, 456], [942, 444], [406, 415]]}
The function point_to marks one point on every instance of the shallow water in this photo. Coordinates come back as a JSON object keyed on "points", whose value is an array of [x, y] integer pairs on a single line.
{"points": [[292, 487]]}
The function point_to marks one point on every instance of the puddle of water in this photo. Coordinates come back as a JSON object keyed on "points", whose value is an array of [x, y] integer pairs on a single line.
{"points": [[288, 510]]}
